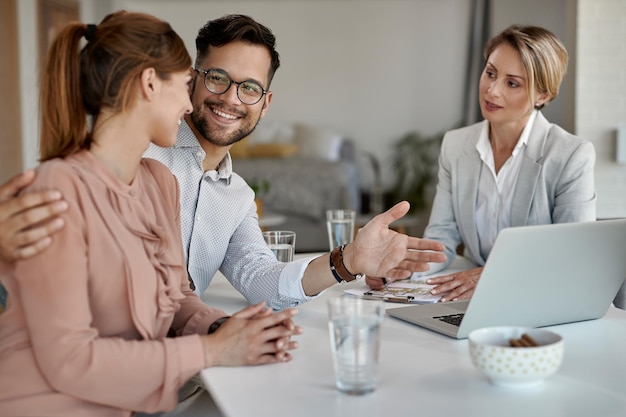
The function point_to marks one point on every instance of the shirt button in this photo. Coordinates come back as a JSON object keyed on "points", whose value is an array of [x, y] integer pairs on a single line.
{"points": [[199, 218], [199, 154], [132, 193]]}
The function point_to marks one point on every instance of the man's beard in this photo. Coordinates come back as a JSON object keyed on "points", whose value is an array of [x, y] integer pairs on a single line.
{"points": [[214, 134]]}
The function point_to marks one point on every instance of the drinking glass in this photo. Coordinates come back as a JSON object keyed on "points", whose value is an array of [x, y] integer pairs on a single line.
{"points": [[340, 226], [354, 326], [282, 243]]}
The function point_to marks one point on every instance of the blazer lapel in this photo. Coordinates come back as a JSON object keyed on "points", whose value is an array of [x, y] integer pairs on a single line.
{"points": [[467, 192], [529, 172]]}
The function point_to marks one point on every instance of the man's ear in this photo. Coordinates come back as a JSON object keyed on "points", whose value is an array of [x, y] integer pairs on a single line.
{"points": [[192, 82], [149, 83]]}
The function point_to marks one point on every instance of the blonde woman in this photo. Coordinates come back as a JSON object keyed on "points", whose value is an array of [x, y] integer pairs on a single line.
{"points": [[515, 168]]}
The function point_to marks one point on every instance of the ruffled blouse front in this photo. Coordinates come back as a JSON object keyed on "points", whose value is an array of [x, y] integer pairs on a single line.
{"points": [[94, 309], [127, 208]]}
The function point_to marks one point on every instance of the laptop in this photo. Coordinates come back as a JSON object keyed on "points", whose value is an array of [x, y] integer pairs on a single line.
{"points": [[536, 276]]}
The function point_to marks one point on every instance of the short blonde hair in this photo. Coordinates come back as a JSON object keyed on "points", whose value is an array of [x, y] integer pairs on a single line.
{"points": [[543, 56]]}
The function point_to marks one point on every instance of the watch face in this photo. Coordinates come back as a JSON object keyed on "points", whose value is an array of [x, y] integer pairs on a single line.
{"points": [[355, 277]]}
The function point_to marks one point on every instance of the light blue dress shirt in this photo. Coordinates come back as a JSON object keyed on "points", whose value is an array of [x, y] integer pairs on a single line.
{"points": [[220, 228]]}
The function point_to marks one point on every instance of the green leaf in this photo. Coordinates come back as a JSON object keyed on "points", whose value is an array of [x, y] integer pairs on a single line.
{"points": [[415, 159]]}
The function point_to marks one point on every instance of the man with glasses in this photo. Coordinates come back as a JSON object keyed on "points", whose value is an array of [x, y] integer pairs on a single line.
{"points": [[218, 82], [235, 63]]}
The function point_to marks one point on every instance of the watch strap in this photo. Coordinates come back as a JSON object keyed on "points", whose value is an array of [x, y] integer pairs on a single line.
{"points": [[338, 268], [216, 324]]}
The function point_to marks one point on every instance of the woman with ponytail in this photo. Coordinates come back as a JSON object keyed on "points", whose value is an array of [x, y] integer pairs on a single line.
{"points": [[104, 321]]}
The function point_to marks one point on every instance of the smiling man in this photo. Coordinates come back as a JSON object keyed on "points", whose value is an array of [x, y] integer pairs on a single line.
{"points": [[235, 62]]}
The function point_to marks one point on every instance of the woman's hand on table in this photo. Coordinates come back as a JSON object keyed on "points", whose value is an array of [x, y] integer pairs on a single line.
{"points": [[253, 336], [379, 251], [458, 286]]}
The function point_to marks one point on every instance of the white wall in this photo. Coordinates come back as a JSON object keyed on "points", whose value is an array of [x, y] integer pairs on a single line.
{"points": [[560, 18], [334, 51], [29, 64], [29, 84], [601, 95], [371, 69]]}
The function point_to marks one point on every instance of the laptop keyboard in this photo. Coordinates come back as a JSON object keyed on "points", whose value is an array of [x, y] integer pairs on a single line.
{"points": [[454, 319]]}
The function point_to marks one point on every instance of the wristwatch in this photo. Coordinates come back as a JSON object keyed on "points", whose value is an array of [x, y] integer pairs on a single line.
{"points": [[216, 324], [339, 270]]}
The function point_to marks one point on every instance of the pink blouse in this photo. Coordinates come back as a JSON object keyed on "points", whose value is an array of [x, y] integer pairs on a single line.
{"points": [[84, 332]]}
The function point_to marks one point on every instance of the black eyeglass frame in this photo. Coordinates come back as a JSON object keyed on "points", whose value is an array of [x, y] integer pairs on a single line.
{"points": [[230, 83]]}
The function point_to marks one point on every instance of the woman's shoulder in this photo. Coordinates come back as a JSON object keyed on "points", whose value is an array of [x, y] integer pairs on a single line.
{"points": [[458, 140], [559, 135], [558, 146], [160, 177], [563, 142], [158, 170], [556, 135], [57, 173]]}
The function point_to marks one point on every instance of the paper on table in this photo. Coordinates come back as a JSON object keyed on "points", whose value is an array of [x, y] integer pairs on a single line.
{"points": [[405, 291], [414, 287]]}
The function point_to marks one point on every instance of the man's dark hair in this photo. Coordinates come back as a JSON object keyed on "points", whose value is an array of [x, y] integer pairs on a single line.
{"points": [[236, 27]]}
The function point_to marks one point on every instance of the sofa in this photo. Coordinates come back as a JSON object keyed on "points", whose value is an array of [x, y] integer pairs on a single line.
{"points": [[309, 169]]}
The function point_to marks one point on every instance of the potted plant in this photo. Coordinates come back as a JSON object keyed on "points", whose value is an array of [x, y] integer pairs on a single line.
{"points": [[415, 159], [261, 187]]}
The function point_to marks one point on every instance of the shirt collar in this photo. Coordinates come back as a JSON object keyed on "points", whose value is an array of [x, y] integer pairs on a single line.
{"points": [[224, 170], [188, 139], [484, 147], [525, 136]]}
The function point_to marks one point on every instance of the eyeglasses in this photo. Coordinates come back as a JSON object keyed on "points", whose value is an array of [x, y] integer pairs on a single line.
{"points": [[218, 82]]}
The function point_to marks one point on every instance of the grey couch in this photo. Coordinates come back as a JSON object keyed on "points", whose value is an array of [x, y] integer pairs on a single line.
{"points": [[303, 188]]}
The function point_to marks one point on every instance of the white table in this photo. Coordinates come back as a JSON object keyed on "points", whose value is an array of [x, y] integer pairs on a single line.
{"points": [[421, 373]]}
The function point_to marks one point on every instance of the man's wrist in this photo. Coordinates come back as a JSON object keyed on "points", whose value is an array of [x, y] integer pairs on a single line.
{"points": [[347, 253], [338, 269]]}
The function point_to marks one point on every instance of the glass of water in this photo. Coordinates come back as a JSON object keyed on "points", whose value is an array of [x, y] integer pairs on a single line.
{"points": [[340, 226], [354, 326], [282, 243]]}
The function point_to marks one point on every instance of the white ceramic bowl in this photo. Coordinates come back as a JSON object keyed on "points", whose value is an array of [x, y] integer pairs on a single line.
{"points": [[516, 367]]}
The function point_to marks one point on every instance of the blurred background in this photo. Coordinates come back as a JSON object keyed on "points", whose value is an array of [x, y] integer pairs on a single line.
{"points": [[372, 70]]}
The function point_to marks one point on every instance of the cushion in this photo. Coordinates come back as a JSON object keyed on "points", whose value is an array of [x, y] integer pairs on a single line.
{"points": [[317, 142], [240, 149], [272, 150], [272, 131]]}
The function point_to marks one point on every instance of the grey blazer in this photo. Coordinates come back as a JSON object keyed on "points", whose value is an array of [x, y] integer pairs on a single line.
{"points": [[555, 185]]}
